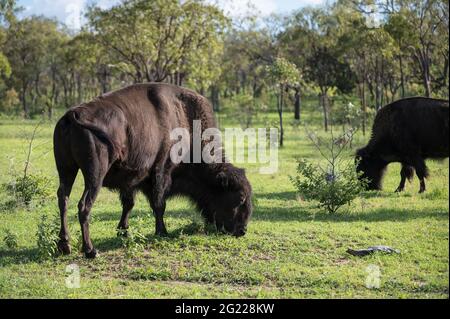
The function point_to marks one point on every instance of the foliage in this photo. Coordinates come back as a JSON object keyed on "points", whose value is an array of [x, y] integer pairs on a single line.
{"points": [[335, 185], [284, 72], [10, 239], [333, 188], [133, 239], [47, 237], [28, 189], [10, 101], [156, 39]]}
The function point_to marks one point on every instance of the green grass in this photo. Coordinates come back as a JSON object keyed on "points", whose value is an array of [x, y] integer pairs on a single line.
{"points": [[291, 250]]}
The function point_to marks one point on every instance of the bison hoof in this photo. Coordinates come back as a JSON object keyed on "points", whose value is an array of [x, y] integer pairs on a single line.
{"points": [[64, 247], [91, 254]]}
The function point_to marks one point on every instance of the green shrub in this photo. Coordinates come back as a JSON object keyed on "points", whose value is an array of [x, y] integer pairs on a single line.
{"points": [[133, 239], [10, 240], [28, 189], [331, 189], [47, 237]]}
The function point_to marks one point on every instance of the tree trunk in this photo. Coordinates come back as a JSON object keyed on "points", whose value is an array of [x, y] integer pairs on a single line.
{"points": [[23, 99], [297, 103], [426, 79], [324, 102], [402, 77], [280, 114], [215, 98]]}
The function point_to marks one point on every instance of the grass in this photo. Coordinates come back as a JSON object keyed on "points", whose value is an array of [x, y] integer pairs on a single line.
{"points": [[291, 250]]}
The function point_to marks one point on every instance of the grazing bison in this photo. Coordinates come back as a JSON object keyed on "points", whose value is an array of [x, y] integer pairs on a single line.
{"points": [[121, 140], [406, 131]]}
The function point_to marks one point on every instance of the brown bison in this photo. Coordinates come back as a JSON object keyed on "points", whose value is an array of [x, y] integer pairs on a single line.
{"points": [[121, 140], [406, 131]]}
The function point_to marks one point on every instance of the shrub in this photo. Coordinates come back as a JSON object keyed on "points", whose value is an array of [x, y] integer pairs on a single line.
{"points": [[10, 101], [29, 188], [332, 186], [133, 240], [10, 240], [331, 189], [47, 237]]}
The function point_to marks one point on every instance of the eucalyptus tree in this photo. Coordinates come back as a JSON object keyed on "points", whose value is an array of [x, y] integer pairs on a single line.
{"points": [[282, 74], [162, 39]]}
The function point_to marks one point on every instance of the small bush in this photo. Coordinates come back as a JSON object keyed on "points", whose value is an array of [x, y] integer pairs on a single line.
{"points": [[47, 237], [331, 189], [338, 183], [28, 189], [133, 240], [10, 240]]}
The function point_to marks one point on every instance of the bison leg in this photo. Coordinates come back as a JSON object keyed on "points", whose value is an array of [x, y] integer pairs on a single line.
{"points": [[421, 171], [93, 173], [66, 180], [158, 203], [84, 208], [407, 172], [127, 198], [161, 181]]}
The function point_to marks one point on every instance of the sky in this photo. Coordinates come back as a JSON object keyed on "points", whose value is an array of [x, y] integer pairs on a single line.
{"points": [[70, 11]]}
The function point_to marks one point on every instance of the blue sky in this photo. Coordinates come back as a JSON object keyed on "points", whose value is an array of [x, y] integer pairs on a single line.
{"points": [[70, 11]]}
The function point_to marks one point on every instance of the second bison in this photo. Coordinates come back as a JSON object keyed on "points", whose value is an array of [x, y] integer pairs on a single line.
{"points": [[407, 131]]}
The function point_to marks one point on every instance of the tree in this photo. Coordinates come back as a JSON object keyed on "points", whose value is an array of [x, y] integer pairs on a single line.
{"points": [[327, 72], [161, 39], [27, 48], [283, 74]]}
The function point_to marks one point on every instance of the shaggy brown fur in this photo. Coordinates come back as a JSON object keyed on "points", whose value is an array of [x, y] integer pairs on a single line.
{"points": [[121, 140], [406, 131]]}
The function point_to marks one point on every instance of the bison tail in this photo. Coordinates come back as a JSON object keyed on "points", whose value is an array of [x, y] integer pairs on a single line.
{"points": [[100, 134]]}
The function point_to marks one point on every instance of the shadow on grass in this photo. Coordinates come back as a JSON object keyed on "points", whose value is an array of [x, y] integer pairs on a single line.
{"points": [[194, 228], [19, 256], [377, 215], [30, 255], [105, 216], [277, 196]]}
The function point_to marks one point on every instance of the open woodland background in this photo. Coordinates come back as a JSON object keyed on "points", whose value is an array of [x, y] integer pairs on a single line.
{"points": [[327, 67], [373, 51]]}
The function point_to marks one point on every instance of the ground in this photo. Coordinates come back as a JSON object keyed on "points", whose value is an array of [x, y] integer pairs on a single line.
{"points": [[291, 250]]}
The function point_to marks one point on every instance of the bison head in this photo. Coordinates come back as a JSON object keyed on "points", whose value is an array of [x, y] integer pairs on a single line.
{"points": [[371, 168], [222, 193], [230, 207]]}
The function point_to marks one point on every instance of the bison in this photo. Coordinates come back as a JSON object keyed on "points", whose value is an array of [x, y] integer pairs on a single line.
{"points": [[121, 140], [406, 131]]}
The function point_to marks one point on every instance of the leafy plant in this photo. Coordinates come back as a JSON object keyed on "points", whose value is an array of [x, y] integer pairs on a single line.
{"points": [[47, 237], [333, 186], [133, 240], [29, 188], [10, 240]]}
